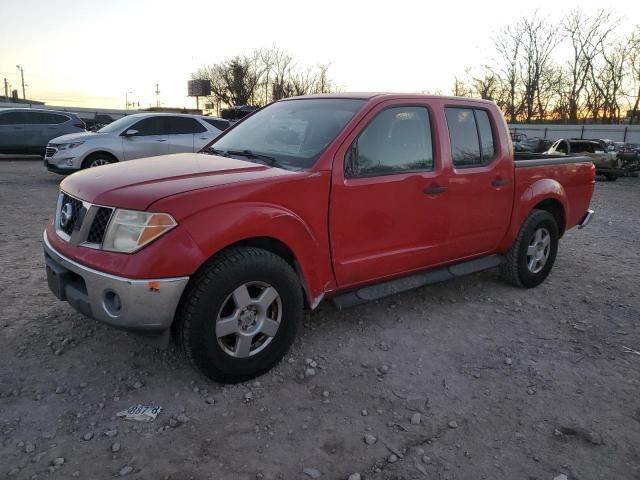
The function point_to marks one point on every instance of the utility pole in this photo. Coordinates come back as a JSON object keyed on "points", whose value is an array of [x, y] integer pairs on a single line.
{"points": [[157, 94], [126, 100], [24, 96], [6, 90]]}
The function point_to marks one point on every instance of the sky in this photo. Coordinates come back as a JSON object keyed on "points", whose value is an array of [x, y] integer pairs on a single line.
{"points": [[90, 54]]}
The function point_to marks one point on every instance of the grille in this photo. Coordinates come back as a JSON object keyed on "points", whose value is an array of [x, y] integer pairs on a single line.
{"points": [[99, 225], [76, 208], [50, 152]]}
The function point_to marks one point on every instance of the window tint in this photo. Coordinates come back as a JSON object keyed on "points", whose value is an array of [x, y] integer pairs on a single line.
{"points": [[183, 125], [219, 124], [397, 140], [465, 147], [47, 118], [487, 146], [151, 126], [12, 118], [471, 136]]}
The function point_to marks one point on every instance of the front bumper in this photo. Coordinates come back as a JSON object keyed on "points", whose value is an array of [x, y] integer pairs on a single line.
{"points": [[147, 305]]}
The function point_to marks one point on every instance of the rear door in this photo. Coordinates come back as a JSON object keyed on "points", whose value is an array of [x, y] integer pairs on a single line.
{"points": [[481, 184], [52, 125], [185, 133], [151, 139], [387, 211], [12, 130]]}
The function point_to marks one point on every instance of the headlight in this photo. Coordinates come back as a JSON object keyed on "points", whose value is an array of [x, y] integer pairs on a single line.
{"points": [[130, 230], [68, 146]]}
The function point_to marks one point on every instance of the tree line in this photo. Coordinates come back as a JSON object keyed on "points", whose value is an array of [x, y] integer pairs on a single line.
{"points": [[598, 79], [262, 76]]}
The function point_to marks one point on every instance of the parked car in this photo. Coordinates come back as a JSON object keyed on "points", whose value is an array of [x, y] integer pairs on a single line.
{"points": [[629, 154], [534, 145], [237, 112], [134, 136], [28, 130], [606, 163], [518, 140], [349, 197]]}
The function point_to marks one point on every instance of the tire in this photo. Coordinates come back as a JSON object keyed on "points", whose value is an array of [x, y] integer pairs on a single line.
{"points": [[517, 268], [215, 311], [97, 160]]}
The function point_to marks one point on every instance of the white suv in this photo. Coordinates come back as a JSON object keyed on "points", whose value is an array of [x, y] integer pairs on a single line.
{"points": [[134, 136]]}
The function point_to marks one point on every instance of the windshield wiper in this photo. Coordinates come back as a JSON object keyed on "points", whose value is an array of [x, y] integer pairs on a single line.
{"points": [[215, 151], [272, 162]]}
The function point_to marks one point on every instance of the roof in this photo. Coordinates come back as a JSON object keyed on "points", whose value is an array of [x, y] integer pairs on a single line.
{"points": [[384, 95]]}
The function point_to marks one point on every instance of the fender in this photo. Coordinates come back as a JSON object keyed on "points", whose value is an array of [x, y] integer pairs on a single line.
{"points": [[231, 223], [539, 191]]}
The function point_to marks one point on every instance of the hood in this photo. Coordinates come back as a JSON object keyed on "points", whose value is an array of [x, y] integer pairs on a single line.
{"points": [[74, 137], [137, 184]]}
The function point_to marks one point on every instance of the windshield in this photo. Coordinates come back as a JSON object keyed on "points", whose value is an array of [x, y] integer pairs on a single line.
{"points": [[293, 132], [117, 126]]}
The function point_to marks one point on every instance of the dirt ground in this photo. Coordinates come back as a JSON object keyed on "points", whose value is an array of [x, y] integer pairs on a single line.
{"points": [[508, 383]]}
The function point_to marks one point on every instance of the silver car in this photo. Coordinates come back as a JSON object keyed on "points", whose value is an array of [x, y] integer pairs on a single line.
{"points": [[135, 136], [28, 130]]}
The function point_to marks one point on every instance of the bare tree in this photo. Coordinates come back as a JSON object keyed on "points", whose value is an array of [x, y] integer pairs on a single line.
{"points": [[633, 61], [508, 45]]}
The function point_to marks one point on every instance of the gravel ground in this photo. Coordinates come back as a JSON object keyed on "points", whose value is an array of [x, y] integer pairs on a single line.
{"points": [[470, 379]]}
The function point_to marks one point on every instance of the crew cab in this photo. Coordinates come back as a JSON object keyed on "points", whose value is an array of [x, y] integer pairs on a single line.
{"points": [[349, 197]]}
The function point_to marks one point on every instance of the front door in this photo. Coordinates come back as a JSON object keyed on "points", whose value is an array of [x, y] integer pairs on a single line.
{"points": [[151, 138], [480, 186], [387, 211]]}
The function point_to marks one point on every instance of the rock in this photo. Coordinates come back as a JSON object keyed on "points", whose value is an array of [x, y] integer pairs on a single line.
{"points": [[60, 390], [416, 419], [369, 439], [111, 432], [393, 458], [475, 374], [115, 447], [210, 400], [562, 476], [58, 461], [182, 418], [83, 385], [508, 361], [248, 396], [325, 394], [364, 412], [309, 372], [126, 470], [453, 424], [531, 391], [137, 385], [384, 369], [311, 472], [354, 476], [29, 447], [87, 436]]}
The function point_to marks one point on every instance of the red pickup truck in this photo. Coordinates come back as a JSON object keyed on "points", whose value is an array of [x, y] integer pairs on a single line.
{"points": [[351, 197]]}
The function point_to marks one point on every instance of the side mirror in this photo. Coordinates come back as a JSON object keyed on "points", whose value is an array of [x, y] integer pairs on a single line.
{"points": [[130, 133]]}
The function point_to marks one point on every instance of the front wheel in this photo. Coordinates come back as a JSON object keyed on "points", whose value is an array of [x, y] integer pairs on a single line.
{"points": [[97, 160], [240, 314], [533, 254]]}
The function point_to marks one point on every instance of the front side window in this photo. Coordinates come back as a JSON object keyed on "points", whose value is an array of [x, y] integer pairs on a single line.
{"points": [[294, 133], [184, 125], [471, 136], [397, 140], [151, 126]]}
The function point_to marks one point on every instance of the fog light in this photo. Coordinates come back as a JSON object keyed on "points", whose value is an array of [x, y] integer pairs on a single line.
{"points": [[112, 303], [69, 162]]}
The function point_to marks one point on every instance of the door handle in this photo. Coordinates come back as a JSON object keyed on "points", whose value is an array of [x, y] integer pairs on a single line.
{"points": [[204, 138], [161, 140], [435, 190], [499, 182]]}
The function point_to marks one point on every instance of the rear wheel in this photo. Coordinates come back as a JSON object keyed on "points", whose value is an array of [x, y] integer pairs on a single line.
{"points": [[97, 160], [533, 254], [240, 314]]}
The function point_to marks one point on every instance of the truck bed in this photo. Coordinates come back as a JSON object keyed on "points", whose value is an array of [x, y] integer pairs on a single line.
{"points": [[527, 159]]}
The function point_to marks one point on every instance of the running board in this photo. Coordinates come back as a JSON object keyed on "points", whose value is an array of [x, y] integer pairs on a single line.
{"points": [[391, 287]]}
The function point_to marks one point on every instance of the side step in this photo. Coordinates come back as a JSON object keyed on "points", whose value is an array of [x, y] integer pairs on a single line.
{"points": [[391, 287]]}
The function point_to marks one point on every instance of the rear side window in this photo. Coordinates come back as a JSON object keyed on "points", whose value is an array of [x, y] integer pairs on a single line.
{"points": [[397, 140], [48, 118], [151, 126], [471, 136], [12, 118], [185, 125], [219, 124]]}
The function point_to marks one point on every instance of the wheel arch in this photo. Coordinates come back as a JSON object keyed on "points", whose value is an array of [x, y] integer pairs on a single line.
{"points": [[97, 152]]}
